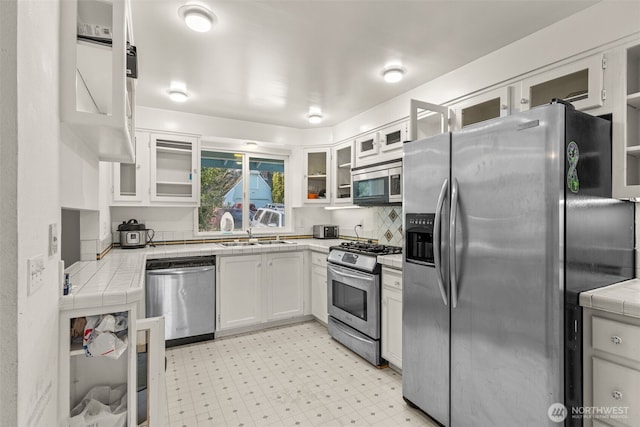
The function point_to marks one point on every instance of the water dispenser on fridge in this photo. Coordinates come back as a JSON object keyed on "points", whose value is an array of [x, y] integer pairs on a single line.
{"points": [[419, 236]]}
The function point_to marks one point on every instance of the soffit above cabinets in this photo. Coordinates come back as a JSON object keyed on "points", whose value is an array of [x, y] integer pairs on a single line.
{"points": [[269, 61]]}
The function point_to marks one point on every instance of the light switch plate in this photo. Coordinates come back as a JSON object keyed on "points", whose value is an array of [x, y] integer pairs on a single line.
{"points": [[35, 273], [53, 239]]}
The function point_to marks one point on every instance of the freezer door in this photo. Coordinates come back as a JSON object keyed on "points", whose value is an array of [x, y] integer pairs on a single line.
{"points": [[425, 317], [506, 316]]}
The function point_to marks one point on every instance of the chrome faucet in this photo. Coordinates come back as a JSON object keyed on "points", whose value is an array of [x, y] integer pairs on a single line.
{"points": [[250, 233]]}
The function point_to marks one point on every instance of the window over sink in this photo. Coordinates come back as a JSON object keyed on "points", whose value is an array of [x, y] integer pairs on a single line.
{"points": [[239, 190]]}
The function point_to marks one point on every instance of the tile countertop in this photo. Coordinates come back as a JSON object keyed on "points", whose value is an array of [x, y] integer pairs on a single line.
{"points": [[620, 298], [119, 277]]}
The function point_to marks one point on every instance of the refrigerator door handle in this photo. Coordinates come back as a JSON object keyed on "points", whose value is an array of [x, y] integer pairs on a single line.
{"points": [[436, 240], [452, 244]]}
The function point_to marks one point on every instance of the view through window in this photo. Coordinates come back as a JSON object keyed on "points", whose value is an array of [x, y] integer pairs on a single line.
{"points": [[222, 189]]}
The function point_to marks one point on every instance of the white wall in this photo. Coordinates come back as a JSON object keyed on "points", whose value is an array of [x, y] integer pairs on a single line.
{"points": [[596, 26], [30, 201]]}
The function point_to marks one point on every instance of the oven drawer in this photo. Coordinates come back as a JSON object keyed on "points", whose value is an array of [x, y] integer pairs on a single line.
{"points": [[361, 344]]}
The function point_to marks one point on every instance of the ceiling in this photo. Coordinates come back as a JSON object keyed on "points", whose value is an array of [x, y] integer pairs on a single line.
{"points": [[270, 61]]}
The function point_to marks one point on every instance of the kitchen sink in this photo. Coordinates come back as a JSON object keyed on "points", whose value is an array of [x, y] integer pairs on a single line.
{"points": [[273, 242], [230, 244]]}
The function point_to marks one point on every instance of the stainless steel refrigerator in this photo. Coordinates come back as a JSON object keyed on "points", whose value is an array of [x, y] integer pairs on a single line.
{"points": [[506, 222]]}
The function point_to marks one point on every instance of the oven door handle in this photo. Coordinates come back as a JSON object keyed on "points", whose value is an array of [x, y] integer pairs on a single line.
{"points": [[344, 273], [436, 240]]}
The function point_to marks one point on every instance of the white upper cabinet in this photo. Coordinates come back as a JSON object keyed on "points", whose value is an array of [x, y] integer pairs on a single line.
{"points": [[342, 156], [131, 180], [626, 142], [427, 119], [367, 145], [579, 82], [392, 137], [485, 106], [317, 176], [174, 169], [97, 99]]}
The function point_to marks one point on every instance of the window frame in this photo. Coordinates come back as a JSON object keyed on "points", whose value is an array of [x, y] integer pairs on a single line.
{"points": [[247, 154]]}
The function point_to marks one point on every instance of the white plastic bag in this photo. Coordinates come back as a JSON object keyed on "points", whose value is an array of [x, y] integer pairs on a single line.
{"points": [[103, 406], [102, 336]]}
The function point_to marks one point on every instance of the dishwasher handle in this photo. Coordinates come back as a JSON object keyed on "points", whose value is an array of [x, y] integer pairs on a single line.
{"points": [[179, 271]]}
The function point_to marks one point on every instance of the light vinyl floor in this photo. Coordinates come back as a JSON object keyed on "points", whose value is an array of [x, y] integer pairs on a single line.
{"points": [[288, 376]]}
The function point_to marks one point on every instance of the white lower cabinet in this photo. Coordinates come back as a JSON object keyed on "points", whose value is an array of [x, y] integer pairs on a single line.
{"points": [[392, 316], [284, 285], [240, 291], [257, 288], [611, 368], [319, 286]]}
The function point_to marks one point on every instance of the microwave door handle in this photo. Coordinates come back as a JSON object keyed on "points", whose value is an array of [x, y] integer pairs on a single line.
{"points": [[452, 244], [436, 240]]}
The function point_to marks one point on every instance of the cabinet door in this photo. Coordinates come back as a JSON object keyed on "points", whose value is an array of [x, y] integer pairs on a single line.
{"points": [[317, 183], [486, 106], [319, 293], [130, 180], [239, 291], [392, 316], [284, 281], [626, 143], [427, 119], [342, 163], [391, 138], [579, 83], [174, 169], [367, 145]]}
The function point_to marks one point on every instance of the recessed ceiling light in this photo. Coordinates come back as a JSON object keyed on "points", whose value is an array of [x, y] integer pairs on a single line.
{"points": [[315, 118], [197, 17], [393, 73]]}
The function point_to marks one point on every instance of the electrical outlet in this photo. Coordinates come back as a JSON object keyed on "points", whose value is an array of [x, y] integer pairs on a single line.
{"points": [[35, 273], [53, 239]]}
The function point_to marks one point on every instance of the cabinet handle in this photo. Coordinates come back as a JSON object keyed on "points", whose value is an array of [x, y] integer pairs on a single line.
{"points": [[616, 340], [617, 395], [524, 101], [397, 283]]}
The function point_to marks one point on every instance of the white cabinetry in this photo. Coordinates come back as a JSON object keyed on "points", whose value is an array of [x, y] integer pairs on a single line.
{"points": [[78, 373], [367, 145], [131, 180], [626, 161], [392, 316], [484, 106], [239, 291], [579, 82], [319, 286], [612, 366], [284, 283], [258, 288], [97, 99], [317, 182], [174, 169], [392, 137], [342, 163]]}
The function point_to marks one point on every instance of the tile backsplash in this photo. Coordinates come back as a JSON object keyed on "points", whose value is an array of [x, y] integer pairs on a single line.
{"points": [[388, 225]]}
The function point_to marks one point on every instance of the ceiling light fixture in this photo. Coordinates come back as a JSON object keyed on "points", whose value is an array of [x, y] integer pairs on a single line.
{"points": [[315, 118], [197, 17], [393, 73], [178, 92]]}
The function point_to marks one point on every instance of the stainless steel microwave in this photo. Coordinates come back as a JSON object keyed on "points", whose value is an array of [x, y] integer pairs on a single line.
{"points": [[377, 184]]}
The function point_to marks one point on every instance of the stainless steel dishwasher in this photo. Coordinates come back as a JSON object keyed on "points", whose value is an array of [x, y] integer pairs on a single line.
{"points": [[183, 291]]}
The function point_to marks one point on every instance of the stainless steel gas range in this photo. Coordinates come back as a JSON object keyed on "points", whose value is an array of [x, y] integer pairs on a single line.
{"points": [[353, 280]]}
